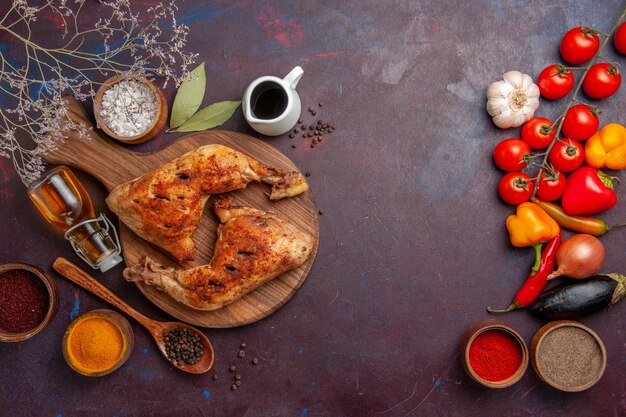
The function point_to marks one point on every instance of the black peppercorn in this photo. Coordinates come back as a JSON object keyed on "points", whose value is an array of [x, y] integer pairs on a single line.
{"points": [[182, 346]]}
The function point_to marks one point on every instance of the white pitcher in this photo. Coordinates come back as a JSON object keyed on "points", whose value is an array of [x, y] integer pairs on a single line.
{"points": [[271, 105]]}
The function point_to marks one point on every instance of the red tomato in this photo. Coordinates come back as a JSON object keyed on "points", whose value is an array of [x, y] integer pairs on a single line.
{"points": [[602, 80], [555, 82], [581, 122], [566, 155], [538, 132], [515, 187], [551, 185], [579, 45], [619, 39], [509, 154]]}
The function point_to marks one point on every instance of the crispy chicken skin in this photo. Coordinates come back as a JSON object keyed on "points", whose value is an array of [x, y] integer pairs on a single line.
{"points": [[165, 205], [252, 247]]}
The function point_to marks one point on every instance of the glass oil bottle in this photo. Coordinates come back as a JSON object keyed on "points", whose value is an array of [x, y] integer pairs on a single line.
{"points": [[65, 204]]}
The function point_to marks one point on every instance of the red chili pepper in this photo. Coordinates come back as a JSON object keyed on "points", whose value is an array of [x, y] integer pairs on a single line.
{"points": [[536, 281]]}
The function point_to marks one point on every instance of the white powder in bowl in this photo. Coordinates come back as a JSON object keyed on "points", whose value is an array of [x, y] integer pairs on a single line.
{"points": [[128, 107]]}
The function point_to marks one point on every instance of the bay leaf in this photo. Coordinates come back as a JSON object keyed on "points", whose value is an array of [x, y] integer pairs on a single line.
{"points": [[189, 96], [210, 116]]}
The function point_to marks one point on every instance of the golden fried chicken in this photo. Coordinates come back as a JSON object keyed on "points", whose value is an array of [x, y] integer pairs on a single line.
{"points": [[165, 205], [252, 247]]}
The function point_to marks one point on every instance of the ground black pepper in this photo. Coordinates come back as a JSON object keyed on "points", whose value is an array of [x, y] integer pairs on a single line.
{"points": [[569, 356], [24, 301], [182, 346]]}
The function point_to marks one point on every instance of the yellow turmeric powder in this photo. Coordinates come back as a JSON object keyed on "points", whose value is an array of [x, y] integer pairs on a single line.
{"points": [[95, 344]]}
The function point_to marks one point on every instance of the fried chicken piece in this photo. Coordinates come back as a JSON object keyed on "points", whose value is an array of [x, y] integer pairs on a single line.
{"points": [[252, 248], [165, 205]]}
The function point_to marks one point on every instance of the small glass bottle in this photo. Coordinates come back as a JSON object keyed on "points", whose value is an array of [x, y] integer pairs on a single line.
{"points": [[65, 204]]}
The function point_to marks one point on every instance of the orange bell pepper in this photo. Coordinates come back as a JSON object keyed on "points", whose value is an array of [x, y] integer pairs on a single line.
{"points": [[607, 147], [531, 226]]}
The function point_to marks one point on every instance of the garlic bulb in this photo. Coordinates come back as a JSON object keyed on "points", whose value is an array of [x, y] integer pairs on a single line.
{"points": [[513, 101]]}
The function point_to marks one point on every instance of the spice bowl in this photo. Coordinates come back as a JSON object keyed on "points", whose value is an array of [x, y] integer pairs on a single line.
{"points": [[98, 342], [568, 355], [156, 99], [493, 354], [25, 281]]}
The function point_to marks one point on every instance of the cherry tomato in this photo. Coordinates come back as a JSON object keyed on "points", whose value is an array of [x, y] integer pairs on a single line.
{"points": [[602, 80], [509, 154], [555, 82], [579, 45], [551, 185], [566, 155], [538, 132], [581, 122], [619, 39], [515, 187]]}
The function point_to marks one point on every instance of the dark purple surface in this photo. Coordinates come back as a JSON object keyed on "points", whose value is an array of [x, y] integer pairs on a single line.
{"points": [[413, 244]]}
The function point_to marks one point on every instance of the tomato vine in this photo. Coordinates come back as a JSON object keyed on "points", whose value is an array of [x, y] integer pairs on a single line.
{"points": [[574, 98]]}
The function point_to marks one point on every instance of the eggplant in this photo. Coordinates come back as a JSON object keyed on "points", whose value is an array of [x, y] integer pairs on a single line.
{"points": [[572, 301]]}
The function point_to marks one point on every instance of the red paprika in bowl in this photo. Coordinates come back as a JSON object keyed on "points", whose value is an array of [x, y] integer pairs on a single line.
{"points": [[494, 354]]}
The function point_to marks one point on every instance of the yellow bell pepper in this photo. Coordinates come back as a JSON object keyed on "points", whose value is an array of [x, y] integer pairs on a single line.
{"points": [[531, 226], [607, 147]]}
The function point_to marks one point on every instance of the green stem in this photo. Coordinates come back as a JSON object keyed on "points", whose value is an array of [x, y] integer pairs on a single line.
{"points": [[513, 306], [537, 258]]}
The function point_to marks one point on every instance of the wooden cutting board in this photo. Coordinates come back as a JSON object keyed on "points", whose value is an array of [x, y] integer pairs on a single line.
{"points": [[112, 165]]}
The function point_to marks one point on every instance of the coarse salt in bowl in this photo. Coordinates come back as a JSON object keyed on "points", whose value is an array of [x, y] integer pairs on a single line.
{"points": [[130, 109]]}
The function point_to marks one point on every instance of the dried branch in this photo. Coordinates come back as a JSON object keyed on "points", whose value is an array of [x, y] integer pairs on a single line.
{"points": [[150, 43]]}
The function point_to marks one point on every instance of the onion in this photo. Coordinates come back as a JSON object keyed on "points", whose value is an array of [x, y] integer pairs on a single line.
{"points": [[580, 256]]}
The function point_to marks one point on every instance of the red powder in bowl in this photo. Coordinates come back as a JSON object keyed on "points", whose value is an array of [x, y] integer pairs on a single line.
{"points": [[495, 355], [24, 301]]}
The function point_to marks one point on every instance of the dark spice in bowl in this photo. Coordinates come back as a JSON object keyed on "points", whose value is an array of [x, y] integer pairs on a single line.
{"points": [[24, 301], [568, 356]]}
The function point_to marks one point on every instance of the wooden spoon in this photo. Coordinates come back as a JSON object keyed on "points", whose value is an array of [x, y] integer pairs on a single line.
{"points": [[156, 328]]}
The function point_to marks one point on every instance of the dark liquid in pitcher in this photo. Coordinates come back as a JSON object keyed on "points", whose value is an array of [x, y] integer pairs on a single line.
{"points": [[270, 100]]}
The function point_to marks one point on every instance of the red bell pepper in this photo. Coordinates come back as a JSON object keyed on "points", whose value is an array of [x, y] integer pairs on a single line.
{"points": [[588, 191]]}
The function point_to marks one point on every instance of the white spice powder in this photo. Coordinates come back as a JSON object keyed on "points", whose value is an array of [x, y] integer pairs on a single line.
{"points": [[129, 107]]}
